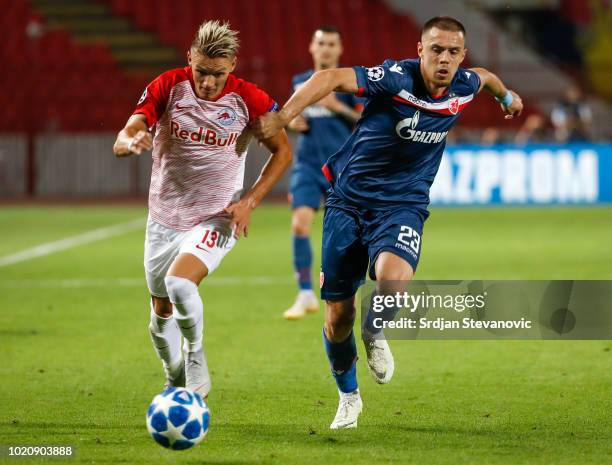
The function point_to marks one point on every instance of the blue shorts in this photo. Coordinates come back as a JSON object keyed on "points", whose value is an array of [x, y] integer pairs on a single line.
{"points": [[307, 187], [353, 238]]}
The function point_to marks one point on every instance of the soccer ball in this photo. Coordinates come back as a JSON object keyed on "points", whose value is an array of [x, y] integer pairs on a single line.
{"points": [[178, 418]]}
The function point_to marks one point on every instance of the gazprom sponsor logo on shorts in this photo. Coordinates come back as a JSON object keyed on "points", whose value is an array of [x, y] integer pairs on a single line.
{"points": [[226, 116], [203, 136], [407, 129]]}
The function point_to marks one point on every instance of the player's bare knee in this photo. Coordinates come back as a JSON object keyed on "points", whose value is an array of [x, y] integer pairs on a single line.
{"points": [[301, 221], [339, 320], [392, 284], [395, 275], [162, 306], [300, 229]]}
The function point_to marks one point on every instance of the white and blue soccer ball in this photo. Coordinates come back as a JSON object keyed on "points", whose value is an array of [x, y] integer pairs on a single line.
{"points": [[178, 418]]}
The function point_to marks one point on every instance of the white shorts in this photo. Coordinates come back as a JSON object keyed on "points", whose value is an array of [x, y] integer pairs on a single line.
{"points": [[209, 241]]}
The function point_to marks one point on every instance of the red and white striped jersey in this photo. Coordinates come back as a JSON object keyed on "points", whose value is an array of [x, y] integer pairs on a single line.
{"points": [[199, 146]]}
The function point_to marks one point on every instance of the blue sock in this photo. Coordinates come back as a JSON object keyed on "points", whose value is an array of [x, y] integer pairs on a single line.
{"points": [[342, 359], [302, 261]]}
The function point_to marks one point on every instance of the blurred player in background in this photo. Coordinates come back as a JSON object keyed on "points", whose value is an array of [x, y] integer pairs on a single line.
{"points": [[201, 114], [323, 128], [380, 184], [571, 117]]}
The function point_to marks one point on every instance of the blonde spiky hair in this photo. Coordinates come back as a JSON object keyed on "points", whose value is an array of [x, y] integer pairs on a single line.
{"points": [[215, 39]]}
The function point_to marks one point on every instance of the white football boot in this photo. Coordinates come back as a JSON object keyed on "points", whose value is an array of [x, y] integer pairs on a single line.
{"points": [[197, 377], [349, 408], [380, 359], [306, 302]]}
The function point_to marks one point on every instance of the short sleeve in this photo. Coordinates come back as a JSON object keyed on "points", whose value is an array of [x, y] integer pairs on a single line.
{"points": [[294, 84], [473, 80], [257, 101], [154, 100], [356, 102], [385, 79]]}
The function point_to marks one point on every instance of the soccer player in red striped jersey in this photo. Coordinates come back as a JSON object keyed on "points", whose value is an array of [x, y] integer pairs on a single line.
{"points": [[201, 115]]}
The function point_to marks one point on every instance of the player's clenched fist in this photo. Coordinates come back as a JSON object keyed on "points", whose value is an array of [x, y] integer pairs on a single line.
{"points": [[515, 108], [241, 217], [268, 125], [134, 138], [141, 141]]}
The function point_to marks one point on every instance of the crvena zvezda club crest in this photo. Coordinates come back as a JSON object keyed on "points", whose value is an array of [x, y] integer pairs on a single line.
{"points": [[453, 105]]}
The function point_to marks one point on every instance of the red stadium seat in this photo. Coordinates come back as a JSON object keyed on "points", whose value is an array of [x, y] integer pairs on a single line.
{"points": [[61, 76]]}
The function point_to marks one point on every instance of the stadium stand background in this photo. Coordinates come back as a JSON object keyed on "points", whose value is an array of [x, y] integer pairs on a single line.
{"points": [[77, 67]]}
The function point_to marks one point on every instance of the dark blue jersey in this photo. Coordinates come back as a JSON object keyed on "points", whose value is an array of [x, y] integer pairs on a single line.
{"points": [[327, 130], [393, 155]]}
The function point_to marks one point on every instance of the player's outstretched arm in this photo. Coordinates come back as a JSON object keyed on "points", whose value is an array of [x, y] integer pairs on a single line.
{"points": [[509, 100], [277, 164], [133, 138], [318, 86]]}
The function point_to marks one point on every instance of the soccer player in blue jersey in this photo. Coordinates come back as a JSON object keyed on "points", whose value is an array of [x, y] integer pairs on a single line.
{"points": [[380, 181], [323, 127]]}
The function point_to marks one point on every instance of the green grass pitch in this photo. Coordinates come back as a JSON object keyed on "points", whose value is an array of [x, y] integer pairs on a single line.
{"points": [[78, 367]]}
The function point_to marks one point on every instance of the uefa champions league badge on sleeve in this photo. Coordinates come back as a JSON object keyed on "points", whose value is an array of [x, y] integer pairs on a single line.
{"points": [[476, 309], [376, 73], [142, 97]]}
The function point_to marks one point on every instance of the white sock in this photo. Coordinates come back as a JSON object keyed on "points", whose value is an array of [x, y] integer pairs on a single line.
{"points": [[188, 310], [348, 394], [166, 338]]}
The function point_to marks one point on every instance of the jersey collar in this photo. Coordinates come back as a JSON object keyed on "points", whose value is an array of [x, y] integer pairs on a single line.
{"points": [[421, 83]]}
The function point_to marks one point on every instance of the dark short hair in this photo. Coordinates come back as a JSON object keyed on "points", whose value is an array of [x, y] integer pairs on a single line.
{"points": [[445, 23], [328, 28]]}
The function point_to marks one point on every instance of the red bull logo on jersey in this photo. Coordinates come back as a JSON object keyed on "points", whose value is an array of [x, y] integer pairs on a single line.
{"points": [[203, 136], [226, 116]]}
